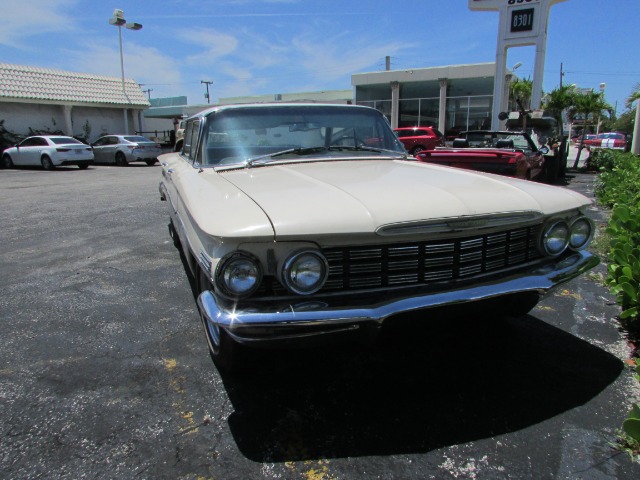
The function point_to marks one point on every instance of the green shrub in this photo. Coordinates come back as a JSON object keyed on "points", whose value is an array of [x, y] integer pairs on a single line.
{"points": [[618, 187], [602, 160]]}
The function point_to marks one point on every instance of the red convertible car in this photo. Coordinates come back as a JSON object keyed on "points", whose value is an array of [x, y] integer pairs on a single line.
{"points": [[514, 154]]}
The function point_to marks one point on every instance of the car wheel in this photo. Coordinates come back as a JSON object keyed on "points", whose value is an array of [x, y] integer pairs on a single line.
{"points": [[46, 162], [121, 160], [151, 161], [83, 166], [224, 351], [417, 150], [7, 162]]}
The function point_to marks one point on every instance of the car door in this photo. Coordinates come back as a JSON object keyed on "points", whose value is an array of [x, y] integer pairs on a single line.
{"points": [[30, 151], [104, 149], [98, 149], [176, 172]]}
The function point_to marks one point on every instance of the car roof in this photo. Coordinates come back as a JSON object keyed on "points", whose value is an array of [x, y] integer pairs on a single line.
{"points": [[53, 136], [238, 106]]}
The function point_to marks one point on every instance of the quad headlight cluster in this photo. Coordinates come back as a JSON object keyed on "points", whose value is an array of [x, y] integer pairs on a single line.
{"points": [[305, 272], [239, 274], [575, 234]]}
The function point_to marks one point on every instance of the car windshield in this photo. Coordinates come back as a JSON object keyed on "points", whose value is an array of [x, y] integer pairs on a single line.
{"points": [[246, 134], [64, 140], [508, 140]]}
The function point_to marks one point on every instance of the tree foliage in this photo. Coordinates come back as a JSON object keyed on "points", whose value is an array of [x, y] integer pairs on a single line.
{"points": [[585, 106], [521, 90]]}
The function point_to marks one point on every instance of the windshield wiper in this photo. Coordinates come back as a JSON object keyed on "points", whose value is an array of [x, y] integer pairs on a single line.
{"points": [[298, 151], [364, 148]]}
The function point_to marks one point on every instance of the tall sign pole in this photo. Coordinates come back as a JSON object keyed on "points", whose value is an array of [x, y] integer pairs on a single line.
{"points": [[522, 23]]}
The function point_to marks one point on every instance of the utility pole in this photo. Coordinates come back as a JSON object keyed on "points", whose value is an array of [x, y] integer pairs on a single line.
{"points": [[148, 92], [561, 74], [207, 83]]}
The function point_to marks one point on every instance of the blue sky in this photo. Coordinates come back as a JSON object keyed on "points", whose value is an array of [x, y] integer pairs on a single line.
{"points": [[255, 47]]}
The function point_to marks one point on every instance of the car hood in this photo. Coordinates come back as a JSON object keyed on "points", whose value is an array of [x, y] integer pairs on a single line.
{"points": [[317, 198]]}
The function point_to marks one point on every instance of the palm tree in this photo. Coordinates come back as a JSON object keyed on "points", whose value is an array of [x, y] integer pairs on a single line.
{"points": [[556, 102], [520, 94], [520, 91], [635, 95], [585, 105]]}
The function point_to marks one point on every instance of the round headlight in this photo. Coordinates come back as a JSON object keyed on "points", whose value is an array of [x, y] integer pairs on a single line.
{"points": [[556, 238], [581, 233], [239, 275], [305, 272]]}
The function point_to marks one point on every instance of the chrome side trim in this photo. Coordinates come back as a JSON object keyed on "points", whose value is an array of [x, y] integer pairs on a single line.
{"points": [[310, 314]]}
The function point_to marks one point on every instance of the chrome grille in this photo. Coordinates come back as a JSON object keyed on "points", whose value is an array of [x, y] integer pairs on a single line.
{"points": [[429, 262]]}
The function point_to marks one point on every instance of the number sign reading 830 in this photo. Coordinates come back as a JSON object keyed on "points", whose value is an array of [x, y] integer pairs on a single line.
{"points": [[522, 20]]}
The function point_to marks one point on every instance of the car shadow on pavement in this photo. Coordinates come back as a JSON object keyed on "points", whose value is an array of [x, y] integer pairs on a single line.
{"points": [[433, 379], [431, 383]]}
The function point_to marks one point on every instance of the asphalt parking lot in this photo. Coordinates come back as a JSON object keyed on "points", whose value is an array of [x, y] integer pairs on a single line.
{"points": [[104, 369]]}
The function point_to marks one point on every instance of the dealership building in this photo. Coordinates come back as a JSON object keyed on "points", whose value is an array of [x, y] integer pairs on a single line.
{"points": [[451, 98]]}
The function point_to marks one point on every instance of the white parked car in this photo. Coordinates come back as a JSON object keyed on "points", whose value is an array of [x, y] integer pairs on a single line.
{"points": [[307, 220], [49, 151], [124, 149]]}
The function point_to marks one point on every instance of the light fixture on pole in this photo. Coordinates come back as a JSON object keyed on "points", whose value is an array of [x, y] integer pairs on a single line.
{"points": [[118, 21], [207, 83], [516, 66]]}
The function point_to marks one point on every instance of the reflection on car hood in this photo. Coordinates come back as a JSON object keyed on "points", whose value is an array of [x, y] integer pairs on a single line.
{"points": [[362, 196]]}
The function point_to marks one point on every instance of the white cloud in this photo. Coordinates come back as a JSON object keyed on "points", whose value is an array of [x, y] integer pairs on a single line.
{"points": [[211, 43], [21, 20]]}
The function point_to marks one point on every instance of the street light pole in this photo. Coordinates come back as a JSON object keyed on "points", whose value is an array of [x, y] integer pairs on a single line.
{"points": [[118, 20]]}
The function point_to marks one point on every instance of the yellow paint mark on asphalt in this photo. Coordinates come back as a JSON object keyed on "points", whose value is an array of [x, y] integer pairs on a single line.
{"points": [[320, 474], [545, 308], [170, 363], [191, 426], [569, 293], [176, 383]]}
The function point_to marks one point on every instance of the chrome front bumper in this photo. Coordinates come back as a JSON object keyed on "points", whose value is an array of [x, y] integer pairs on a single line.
{"points": [[274, 323]]}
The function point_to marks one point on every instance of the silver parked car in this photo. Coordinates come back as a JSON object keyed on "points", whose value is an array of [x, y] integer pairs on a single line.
{"points": [[50, 151], [124, 149]]}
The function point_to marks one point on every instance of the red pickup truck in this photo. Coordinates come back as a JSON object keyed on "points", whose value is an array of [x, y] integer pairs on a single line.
{"points": [[514, 154]]}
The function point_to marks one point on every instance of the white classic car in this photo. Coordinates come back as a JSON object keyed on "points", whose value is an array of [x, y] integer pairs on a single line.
{"points": [[304, 220]]}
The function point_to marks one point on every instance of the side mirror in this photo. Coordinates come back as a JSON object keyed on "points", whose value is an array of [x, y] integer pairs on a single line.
{"points": [[544, 150]]}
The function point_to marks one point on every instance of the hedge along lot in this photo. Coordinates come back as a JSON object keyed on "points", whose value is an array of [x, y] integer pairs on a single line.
{"points": [[619, 189], [104, 369]]}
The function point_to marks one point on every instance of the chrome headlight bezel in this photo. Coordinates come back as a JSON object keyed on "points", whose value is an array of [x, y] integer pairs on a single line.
{"points": [[232, 268], [291, 271], [586, 237], [553, 241]]}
